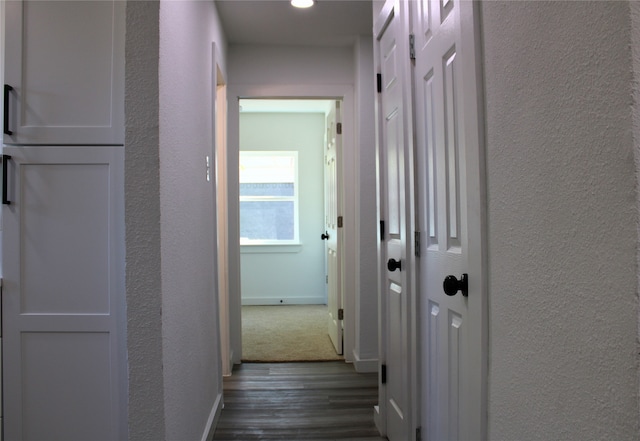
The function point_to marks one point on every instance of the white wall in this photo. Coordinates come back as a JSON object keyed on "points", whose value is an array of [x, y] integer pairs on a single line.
{"points": [[173, 336], [562, 221], [290, 65], [280, 276]]}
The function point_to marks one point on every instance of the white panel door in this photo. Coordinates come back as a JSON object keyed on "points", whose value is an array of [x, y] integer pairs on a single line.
{"points": [[449, 213], [64, 72], [331, 234], [64, 366], [393, 195]]}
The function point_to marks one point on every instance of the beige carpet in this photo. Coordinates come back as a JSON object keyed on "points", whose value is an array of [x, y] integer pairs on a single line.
{"points": [[286, 333]]}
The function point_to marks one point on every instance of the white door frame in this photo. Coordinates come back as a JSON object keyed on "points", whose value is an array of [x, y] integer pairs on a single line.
{"points": [[349, 210], [217, 169]]}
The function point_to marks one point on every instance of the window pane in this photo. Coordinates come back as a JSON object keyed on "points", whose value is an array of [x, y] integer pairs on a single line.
{"points": [[268, 195], [267, 220], [273, 189], [267, 166]]}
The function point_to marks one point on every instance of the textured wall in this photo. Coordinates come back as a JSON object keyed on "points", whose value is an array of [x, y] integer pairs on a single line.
{"points": [[170, 229], [303, 271], [562, 221], [635, 54], [142, 224], [190, 333]]}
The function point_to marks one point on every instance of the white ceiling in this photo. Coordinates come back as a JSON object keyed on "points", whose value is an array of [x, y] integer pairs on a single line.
{"points": [[276, 22]]}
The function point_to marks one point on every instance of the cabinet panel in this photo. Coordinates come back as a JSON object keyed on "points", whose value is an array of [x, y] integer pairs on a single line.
{"points": [[63, 294], [80, 359], [58, 214], [64, 61]]}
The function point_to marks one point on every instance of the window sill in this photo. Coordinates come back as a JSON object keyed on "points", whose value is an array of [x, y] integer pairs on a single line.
{"points": [[263, 248]]}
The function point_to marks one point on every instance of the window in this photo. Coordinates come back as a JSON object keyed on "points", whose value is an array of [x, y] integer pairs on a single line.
{"points": [[268, 197]]}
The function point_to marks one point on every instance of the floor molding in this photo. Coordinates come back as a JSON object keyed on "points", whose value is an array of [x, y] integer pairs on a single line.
{"points": [[214, 417], [366, 365], [257, 301]]}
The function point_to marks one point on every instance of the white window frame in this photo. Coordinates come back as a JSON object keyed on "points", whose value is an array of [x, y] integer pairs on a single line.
{"points": [[296, 224]]}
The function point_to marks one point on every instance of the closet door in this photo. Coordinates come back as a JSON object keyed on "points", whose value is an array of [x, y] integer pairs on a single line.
{"points": [[63, 293], [64, 72]]}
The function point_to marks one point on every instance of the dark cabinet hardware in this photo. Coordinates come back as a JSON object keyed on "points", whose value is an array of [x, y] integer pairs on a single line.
{"points": [[5, 163], [5, 124]]}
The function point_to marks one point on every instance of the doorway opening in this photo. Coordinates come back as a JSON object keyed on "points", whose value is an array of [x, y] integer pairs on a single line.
{"points": [[287, 282]]}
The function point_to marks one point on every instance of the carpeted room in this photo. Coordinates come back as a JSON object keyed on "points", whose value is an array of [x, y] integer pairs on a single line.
{"points": [[280, 333]]}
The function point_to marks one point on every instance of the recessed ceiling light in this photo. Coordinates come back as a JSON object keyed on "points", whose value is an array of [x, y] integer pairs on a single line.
{"points": [[302, 3]]}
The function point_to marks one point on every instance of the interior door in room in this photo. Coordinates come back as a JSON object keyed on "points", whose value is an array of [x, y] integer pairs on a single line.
{"points": [[64, 366], [332, 232], [449, 194], [393, 187]]}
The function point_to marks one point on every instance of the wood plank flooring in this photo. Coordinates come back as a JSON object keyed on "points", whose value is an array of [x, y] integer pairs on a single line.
{"points": [[298, 401]]}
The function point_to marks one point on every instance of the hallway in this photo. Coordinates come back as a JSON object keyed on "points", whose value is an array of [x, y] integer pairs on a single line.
{"points": [[298, 401]]}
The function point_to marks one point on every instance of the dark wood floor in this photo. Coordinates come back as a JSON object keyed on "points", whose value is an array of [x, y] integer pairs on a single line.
{"points": [[298, 401]]}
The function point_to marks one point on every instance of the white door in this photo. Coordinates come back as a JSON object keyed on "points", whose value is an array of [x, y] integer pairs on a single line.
{"points": [[331, 233], [64, 72], [394, 195], [64, 365], [450, 218]]}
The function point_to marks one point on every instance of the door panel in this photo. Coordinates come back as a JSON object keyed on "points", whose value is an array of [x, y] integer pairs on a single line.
{"points": [[393, 192], [449, 212], [63, 294], [333, 242]]}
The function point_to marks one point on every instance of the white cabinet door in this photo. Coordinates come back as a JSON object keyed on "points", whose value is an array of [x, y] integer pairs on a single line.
{"points": [[64, 367], [64, 72]]}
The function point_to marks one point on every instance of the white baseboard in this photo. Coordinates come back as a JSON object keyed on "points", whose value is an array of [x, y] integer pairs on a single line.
{"points": [[212, 421], [377, 420], [256, 301], [367, 365], [231, 363]]}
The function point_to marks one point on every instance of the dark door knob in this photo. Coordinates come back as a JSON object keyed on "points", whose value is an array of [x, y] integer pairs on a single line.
{"points": [[394, 264], [324, 236], [451, 285]]}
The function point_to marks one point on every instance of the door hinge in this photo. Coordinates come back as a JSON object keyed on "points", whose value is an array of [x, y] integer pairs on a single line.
{"points": [[339, 128], [416, 243], [383, 374], [326, 279], [381, 231], [379, 82], [340, 314], [412, 46], [418, 433], [340, 221]]}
